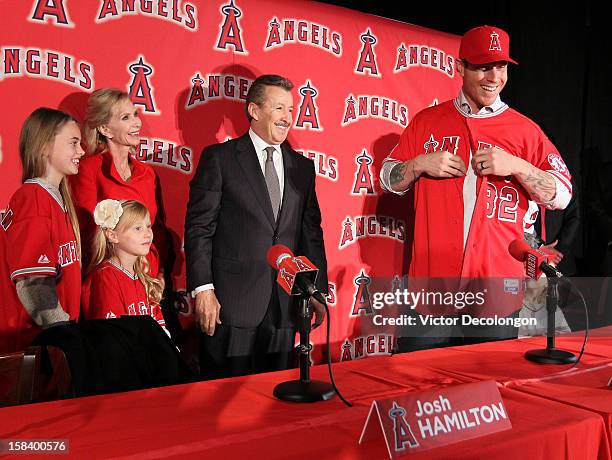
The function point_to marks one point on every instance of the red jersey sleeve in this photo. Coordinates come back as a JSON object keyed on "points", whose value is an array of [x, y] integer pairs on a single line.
{"points": [[548, 159], [28, 227]]}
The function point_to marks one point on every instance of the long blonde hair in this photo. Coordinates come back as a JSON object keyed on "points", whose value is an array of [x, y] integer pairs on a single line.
{"points": [[38, 134], [103, 249], [99, 112]]}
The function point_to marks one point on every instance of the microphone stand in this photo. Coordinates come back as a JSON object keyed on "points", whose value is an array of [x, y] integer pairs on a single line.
{"points": [[304, 389], [551, 355]]}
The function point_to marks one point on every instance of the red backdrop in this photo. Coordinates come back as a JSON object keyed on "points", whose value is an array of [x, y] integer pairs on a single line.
{"points": [[188, 65]]}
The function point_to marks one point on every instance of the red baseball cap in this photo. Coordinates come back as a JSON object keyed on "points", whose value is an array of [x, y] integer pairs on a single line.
{"points": [[485, 44]]}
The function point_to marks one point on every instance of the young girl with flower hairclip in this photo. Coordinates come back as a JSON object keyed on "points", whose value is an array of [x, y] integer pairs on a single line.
{"points": [[119, 282]]}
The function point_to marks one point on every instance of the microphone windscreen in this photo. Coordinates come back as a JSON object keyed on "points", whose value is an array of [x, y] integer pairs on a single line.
{"points": [[519, 249], [275, 252]]}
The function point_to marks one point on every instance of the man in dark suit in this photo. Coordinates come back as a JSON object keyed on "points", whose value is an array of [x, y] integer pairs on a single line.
{"points": [[247, 195]]}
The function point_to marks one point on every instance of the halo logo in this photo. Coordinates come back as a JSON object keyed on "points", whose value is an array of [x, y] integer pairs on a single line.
{"points": [[140, 89], [230, 34]]}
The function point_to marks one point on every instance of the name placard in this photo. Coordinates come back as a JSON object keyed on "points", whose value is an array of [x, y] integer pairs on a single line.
{"points": [[429, 419]]}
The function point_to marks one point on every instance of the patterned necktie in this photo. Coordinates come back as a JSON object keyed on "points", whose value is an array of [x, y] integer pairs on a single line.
{"points": [[272, 182]]}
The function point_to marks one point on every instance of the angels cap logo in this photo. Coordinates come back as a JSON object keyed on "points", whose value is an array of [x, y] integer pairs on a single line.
{"points": [[308, 112], [140, 90], [363, 184], [495, 44], [401, 429], [362, 301], [50, 11], [230, 34], [366, 63]]}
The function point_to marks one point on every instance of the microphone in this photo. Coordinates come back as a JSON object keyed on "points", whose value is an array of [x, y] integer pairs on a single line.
{"points": [[296, 274], [536, 260]]}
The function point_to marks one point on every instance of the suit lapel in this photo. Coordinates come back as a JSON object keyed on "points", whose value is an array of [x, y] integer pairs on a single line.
{"points": [[247, 159]]}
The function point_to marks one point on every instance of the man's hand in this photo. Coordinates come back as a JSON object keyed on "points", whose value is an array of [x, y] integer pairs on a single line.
{"points": [[550, 249], [494, 161], [319, 312], [207, 310], [440, 164]]}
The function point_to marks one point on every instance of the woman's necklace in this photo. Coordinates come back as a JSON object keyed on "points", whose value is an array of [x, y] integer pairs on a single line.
{"points": [[124, 172]]}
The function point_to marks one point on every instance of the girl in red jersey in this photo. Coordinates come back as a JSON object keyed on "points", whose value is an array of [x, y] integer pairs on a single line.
{"points": [[111, 135], [120, 283], [40, 268]]}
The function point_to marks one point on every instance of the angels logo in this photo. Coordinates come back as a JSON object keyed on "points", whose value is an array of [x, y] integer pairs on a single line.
{"points": [[50, 12], [364, 346], [402, 432], [308, 110], [305, 33], [449, 144], [362, 302], [161, 152], [374, 107], [331, 294], [179, 14], [325, 166], [366, 64], [217, 86], [484, 145], [495, 44], [557, 163], [358, 227], [67, 254], [140, 90], [424, 56], [48, 64], [230, 34], [363, 183]]}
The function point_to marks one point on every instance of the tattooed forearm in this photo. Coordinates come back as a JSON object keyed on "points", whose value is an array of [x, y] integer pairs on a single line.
{"points": [[397, 173], [402, 176], [539, 184]]}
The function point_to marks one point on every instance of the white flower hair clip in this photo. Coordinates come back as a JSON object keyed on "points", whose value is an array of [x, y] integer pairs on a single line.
{"points": [[108, 213]]}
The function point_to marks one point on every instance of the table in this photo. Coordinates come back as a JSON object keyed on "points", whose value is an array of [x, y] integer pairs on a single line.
{"points": [[239, 418]]}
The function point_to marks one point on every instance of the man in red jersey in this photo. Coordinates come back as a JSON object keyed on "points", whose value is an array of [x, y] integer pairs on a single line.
{"points": [[474, 163]]}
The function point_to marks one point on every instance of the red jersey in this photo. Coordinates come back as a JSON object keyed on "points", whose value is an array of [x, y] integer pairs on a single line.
{"points": [[36, 238], [111, 291], [98, 179], [501, 202]]}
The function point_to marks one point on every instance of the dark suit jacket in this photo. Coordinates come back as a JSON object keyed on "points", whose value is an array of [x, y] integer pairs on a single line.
{"points": [[229, 228]]}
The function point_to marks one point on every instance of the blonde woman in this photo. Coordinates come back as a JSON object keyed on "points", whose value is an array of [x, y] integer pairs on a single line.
{"points": [[119, 283], [111, 134], [40, 268]]}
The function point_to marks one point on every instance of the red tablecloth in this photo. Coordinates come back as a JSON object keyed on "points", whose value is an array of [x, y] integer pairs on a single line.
{"points": [[239, 418]]}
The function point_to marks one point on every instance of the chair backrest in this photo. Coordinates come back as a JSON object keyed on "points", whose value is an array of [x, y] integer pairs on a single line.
{"points": [[28, 376], [19, 377]]}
